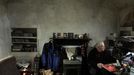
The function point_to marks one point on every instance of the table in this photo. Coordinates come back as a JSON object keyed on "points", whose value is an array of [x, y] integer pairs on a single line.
{"points": [[71, 67]]}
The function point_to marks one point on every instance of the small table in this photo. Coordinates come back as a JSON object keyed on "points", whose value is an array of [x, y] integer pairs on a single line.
{"points": [[71, 65]]}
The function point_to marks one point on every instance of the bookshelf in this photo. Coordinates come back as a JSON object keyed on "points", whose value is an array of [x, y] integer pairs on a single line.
{"points": [[24, 40]]}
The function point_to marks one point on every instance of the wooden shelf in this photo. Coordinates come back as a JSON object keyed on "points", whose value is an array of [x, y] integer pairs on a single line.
{"points": [[24, 51], [25, 42], [23, 37], [74, 42]]}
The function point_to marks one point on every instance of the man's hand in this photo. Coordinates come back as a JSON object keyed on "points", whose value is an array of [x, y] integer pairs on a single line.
{"points": [[99, 65]]}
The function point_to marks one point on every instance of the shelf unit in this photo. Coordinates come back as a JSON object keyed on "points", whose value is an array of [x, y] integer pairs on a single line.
{"points": [[79, 66], [24, 40], [126, 31]]}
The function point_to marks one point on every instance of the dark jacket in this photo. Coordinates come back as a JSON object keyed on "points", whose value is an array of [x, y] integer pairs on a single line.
{"points": [[50, 57], [95, 57]]}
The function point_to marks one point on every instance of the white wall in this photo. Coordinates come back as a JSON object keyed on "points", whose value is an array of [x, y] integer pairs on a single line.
{"points": [[97, 17], [123, 14], [5, 40]]}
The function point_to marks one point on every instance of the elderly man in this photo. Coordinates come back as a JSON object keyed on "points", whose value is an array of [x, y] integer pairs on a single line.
{"points": [[99, 56]]}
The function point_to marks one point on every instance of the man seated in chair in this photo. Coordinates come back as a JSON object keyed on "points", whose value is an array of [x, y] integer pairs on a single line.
{"points": [[97, 57]]}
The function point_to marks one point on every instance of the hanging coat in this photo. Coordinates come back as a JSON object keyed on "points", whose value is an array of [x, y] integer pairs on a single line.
{"points": [[51, 56]]}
